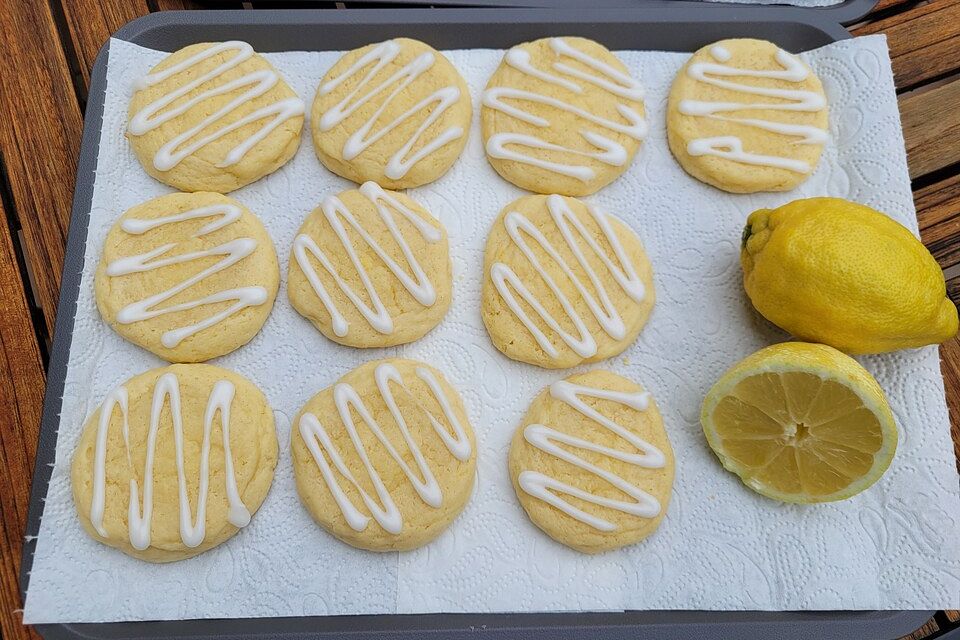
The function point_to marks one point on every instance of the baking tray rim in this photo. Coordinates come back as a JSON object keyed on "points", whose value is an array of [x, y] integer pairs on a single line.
{"points": [[844, 12], [672, 12], [453, 624]]}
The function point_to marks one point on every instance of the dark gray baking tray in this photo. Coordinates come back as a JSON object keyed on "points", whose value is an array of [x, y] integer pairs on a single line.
{"points": [[660, 26], [844, 12]]}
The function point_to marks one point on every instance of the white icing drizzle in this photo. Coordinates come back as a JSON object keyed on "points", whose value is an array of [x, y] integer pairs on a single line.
{"points": [[434, 105], [614, 81], [720, 53], [546, 438], [140, 519], [232, 251], [623, 271], [606, 77], [254, 84], [731, 147], [382, 508], [416, 283]]}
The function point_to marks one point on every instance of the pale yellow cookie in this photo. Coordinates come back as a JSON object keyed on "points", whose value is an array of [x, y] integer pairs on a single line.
{"points": [[591, 462], [746, 116], [562, 115], [385, 459], [188, 276], [563, 282], [396, 112], [214, 116], [228, 455], [371, 268]]}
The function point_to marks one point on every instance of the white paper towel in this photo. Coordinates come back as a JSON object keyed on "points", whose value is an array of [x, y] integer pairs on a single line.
{"points": [[720, 546]]}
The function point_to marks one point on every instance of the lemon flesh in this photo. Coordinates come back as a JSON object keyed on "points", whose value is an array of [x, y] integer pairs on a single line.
{"points": [[801, 422], [836, 272]]}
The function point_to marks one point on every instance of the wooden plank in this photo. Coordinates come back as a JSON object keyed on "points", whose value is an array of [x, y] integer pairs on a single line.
{"points": [[40, 139], [928, 629], [90, 23], [39, 136], [910, 11], [935, 61], [931, 127], [166, 5], [937, 202], [21, 400], [938, 212], [924, 40], [887, 5], [938, 215], [950, 366]]}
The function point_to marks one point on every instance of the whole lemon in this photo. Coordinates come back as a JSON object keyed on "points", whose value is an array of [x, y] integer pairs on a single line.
{"points": [[833, 271]]}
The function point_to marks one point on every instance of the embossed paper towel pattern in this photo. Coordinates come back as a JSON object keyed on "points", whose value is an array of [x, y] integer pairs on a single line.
{"points": [[720, 546]]}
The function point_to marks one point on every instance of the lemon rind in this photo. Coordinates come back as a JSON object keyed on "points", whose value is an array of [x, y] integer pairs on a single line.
{"points": [[785, 362]]}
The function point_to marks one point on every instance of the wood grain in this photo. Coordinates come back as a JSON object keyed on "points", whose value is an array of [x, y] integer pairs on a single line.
{"points": [[938, 206], [90, 24], [924, 40], [928, 629], [931, 127], [21, 401], [887, 5], [167, 5], [40, 138], [950, 366]]}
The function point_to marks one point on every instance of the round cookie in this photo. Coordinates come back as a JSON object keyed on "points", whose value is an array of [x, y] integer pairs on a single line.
{"points": [[188, 276], [591, 462], [385, 458], [396, 112], [228, 455], [214, 117], [746, 116], [562, 115], [563, 283], [371, 268]]}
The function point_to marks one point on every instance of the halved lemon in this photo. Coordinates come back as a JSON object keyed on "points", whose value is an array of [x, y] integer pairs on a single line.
{"points": [[800, 422]]}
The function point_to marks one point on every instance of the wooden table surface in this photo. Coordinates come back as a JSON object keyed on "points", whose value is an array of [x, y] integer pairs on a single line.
{"points": [[48, 49]]}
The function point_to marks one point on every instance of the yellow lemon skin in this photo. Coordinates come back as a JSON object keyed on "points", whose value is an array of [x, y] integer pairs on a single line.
{"points": [[833, 271], [830, 366]]}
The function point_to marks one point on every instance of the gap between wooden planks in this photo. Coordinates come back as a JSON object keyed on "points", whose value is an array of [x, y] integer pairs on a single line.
{"points": [[54, 44]]}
